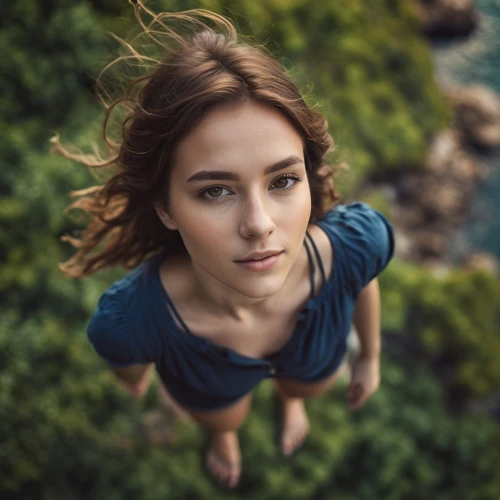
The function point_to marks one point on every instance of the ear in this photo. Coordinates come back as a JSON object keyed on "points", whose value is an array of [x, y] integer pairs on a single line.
{"points": [[165, 217]]}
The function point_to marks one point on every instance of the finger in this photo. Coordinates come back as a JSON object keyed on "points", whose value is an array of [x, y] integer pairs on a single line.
{"points": [[354, 404], [356, 392], [357, 398], [360, 401], [353, 387]]}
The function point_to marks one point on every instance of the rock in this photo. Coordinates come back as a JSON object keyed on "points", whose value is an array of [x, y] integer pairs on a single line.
{"points": [[453, 175], [442, 191], [482, 260], [431, 203], [429, 244], [447, 18], [477, 115], [443, 201], [438, 268], [448, 159], [407, 216], [403, 245]]}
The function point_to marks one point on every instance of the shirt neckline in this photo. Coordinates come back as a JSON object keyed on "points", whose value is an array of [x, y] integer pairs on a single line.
{"points": [[228, 352]]}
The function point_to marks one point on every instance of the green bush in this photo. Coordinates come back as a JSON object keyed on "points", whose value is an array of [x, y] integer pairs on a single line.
{"points": [[68, 431], [452, 321]]}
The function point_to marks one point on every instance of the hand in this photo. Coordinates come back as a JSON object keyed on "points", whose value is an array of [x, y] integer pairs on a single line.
{"points": [[365, 380]]}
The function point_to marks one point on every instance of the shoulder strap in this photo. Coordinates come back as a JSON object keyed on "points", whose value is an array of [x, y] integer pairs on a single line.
{"points": [[318, 258], [175, 312], [311, 267]]}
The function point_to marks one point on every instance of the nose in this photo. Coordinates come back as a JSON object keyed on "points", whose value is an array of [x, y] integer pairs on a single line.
{"points": [[256, 219]]}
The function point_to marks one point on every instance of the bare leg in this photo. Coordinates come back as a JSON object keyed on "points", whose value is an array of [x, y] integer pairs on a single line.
{"points": [[223, 457], [295, 424], [168, 402]]}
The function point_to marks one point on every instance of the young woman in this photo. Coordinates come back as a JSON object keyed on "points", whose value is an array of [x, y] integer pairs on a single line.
{"points": [[244, 265]]}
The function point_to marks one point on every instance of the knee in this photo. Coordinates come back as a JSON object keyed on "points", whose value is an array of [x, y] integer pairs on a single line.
{"points": [[291, 389], [283, 389], [136, 391], [227, 419]]}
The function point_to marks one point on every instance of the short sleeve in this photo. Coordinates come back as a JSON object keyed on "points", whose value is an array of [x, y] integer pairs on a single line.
{"points": [[109, 331], [366, 239]]}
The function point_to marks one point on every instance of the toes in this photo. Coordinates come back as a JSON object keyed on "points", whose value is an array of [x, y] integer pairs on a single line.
{"points": [[285, 448], [293, 440], [233, 476], [226, 474], [233, 479], [213, 466], [287, 445]]}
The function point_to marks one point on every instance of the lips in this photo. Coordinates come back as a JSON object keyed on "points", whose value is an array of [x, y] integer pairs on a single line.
{"points": [[265, 264], [259, 256]]}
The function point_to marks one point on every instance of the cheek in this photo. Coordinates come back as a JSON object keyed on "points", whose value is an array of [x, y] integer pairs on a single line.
{"points": [[204, 235], [300, 209]]}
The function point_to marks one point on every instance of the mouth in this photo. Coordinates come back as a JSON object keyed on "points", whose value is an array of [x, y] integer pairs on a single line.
{"points": [[262, 264], [260, 257]]}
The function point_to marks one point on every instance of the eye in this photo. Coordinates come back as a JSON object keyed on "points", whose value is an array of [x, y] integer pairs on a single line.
{"points": [[213, 193], [287, 181]]}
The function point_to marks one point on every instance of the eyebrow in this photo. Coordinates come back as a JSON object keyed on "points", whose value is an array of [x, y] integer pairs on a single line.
{"points": [[210, 175]]}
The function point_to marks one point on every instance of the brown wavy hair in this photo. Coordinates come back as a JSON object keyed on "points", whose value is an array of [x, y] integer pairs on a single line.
{"points": [[202, 62]]}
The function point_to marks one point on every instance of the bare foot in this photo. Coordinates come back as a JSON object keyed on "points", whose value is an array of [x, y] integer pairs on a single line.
{"points": [[295, 425], [223, 457]]}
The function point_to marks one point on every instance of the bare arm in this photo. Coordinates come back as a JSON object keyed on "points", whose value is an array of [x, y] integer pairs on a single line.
{"points": [[365, 372], [366, 319], [135, 378]]}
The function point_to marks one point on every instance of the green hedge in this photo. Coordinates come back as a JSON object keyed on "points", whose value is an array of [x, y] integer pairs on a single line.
{"points": [[68, 431]]}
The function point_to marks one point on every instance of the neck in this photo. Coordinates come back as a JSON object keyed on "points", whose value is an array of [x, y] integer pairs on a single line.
{"points": [[222, 300]]}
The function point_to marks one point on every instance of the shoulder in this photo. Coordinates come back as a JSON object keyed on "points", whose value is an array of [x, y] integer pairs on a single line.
{"points": [[357, 223], [118, 300], [362, 238], [113, 328], [357, 214], [111, 310]]}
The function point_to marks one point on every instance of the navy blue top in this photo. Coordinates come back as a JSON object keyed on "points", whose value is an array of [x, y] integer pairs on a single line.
{"points": [[133, 322]]}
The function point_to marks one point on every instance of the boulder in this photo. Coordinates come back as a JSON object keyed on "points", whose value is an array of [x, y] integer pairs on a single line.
{"points": [[477, 115], [447, 18], [447, 158], [432, 202], [429, 244], [484, 261]]}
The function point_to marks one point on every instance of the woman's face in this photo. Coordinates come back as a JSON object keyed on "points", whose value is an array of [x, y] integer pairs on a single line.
{"points": [[239, 187]]}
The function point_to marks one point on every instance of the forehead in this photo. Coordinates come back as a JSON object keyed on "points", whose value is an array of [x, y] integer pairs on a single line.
{"points": [[236, 137]]}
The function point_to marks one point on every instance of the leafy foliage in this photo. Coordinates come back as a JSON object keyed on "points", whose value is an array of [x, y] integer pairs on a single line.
{"points": [[364, 62], [453, 320], [40, 95], [68, 428], [371, 70]]}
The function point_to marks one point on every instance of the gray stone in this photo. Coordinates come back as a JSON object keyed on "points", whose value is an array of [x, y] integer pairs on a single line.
{"points": [[477, 115], [447, 18]]}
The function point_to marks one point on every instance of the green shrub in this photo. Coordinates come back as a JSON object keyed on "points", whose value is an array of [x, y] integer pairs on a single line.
{"points": [[452, 321]]}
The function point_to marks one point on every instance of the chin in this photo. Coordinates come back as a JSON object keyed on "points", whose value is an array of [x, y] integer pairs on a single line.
{"points": [[259, 288]]}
